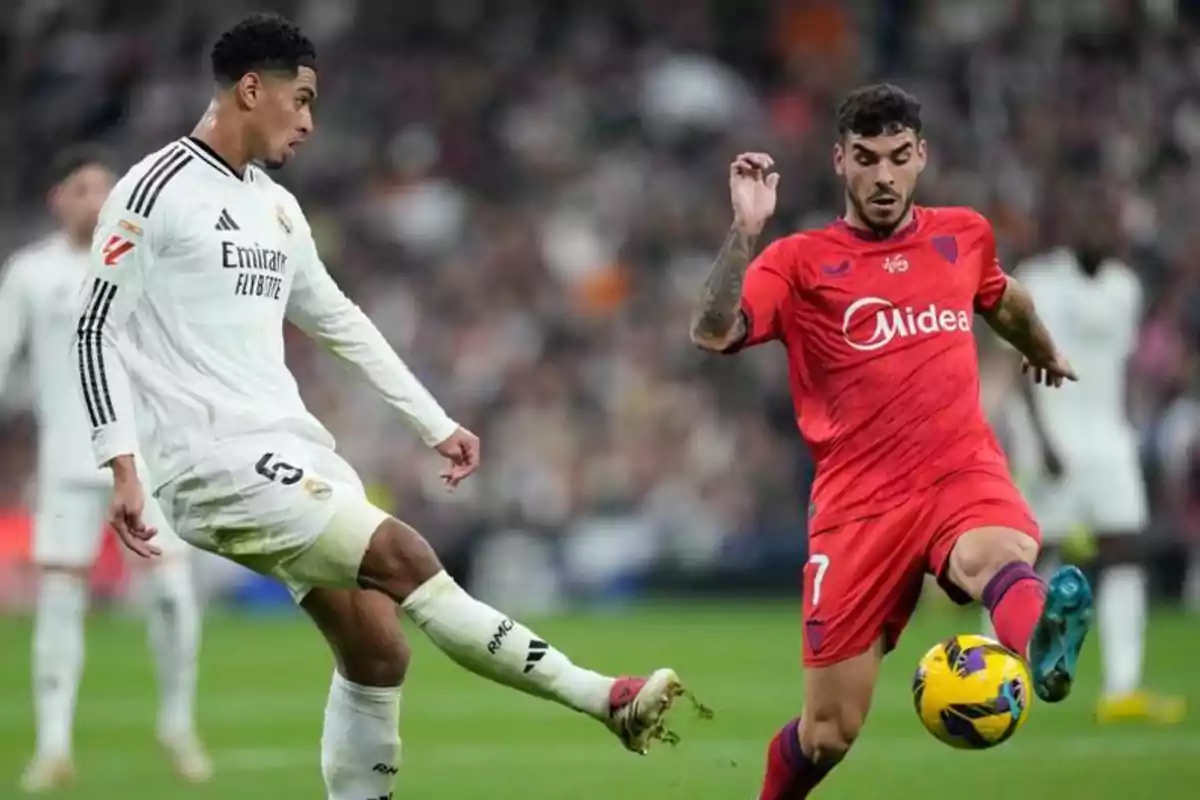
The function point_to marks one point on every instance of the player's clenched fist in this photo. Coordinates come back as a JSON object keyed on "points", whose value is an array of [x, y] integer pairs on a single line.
{"points": [[752, 190]]}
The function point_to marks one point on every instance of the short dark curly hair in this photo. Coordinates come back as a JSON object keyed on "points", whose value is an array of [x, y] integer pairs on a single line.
{"points": [[261, 42], [880, 109]]}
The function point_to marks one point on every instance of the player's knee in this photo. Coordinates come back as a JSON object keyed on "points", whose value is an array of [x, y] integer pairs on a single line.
{"points": [[379, 663], [981, 553], [397, 561], [827, 736]]}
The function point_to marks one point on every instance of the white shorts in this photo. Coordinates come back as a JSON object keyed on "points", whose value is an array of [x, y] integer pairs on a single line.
{"points": [[279, 505], [1103, 495], [69, 525]]}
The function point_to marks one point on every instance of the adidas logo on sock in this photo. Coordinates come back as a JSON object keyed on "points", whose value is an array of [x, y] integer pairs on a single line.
{"points": [[226, 223], [537, 651]]}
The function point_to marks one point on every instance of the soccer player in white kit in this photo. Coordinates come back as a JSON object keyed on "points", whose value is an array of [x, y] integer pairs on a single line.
{"points": [[199, 258], [1083, 448], [39, 300]]}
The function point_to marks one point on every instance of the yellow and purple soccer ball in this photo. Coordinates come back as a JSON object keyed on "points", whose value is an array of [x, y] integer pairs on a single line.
{"points": [[972, 692]]}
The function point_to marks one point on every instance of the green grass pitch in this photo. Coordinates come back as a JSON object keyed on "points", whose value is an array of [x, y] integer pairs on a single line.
{"points": [[263, 686]]}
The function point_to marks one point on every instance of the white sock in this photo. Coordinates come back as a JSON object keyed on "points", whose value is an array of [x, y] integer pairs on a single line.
{"points": [[360, 744], [1121, 614], [58, 658], [173, 622], [484, 641]]}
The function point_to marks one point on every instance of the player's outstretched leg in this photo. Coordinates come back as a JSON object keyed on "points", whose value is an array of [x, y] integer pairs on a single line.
{"points": [[806, 749], [360, 741], [57, 667], [400, 563], [1046, 622], [173, 623]]}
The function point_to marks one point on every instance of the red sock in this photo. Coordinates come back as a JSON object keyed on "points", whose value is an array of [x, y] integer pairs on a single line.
{"points": [[1015, 595], [790, 773]]}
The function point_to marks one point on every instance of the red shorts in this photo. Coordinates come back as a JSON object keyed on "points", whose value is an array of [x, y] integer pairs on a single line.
{"points": [[864, 577]]}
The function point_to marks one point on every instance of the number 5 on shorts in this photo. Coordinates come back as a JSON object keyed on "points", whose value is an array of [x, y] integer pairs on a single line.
{"points": [[822, 562], [280, 471]]}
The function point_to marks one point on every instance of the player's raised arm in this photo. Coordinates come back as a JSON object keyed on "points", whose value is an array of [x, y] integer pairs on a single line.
{"points": [[318, 307], [718, 321]]}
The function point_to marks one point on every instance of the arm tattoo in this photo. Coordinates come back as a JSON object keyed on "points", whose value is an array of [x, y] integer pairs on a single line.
{"points": [[1016, 321], [717, 312]]}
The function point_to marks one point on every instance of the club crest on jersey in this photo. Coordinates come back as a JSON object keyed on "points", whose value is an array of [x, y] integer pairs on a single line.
{"points": [[115, 249], [282, 217], [947, 247], [895, 263]]}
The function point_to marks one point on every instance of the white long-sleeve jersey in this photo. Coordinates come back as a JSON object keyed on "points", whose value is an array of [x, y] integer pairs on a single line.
{"points": [[39, 302], [197, 266]]}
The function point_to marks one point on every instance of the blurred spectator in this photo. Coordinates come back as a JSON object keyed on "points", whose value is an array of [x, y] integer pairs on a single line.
{"points": [[524, 195]]}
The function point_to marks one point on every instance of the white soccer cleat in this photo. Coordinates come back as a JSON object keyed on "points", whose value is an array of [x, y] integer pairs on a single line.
{"points": [[188, 759], [47, 774], [637, 707]]}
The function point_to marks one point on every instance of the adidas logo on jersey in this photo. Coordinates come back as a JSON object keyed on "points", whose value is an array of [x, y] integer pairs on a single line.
{"points": [[893, 322], [226, 223]]}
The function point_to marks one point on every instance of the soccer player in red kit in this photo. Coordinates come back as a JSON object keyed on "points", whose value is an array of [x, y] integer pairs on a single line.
{"points": [[875, 312]]}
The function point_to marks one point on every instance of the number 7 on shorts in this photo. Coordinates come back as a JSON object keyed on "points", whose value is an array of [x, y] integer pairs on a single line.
{"points": [[822, 562]]}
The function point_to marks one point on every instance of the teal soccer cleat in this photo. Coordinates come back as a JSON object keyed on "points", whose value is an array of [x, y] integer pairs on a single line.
{"points": [[1058, 637]]}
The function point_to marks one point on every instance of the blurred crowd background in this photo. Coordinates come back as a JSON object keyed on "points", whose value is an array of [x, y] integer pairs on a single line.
{"points": [[526, 196]]}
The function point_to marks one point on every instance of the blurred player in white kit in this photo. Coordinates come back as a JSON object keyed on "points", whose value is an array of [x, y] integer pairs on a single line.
{"points": [[1081, 449], [40, 290], [199, 258]]}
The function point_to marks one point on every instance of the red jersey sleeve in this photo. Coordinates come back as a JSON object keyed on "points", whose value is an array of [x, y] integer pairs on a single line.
{"points": [[992, 280], [769, 282]]}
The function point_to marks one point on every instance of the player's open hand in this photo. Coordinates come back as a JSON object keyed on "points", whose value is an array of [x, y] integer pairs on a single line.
{"points": [[462, 451], [125, 516], [752, 190], [1049, 372]]}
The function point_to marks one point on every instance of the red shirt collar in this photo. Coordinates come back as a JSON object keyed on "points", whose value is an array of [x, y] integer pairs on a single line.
{"points": [[868, 236]]}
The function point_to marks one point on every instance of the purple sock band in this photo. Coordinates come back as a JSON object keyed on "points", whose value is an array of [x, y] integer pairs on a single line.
{"points": [[792, 753], [1007, 577]]}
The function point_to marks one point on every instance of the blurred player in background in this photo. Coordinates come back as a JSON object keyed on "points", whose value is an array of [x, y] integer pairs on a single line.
{"points": [[39, 302], [199, 259], [875, 312], [1082, 447]]}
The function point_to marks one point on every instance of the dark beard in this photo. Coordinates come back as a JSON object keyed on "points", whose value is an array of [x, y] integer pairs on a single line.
{"points": [[876, 230]]}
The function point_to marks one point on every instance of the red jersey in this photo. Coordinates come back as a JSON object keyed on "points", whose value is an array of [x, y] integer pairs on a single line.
{"points": [[883, 364]]}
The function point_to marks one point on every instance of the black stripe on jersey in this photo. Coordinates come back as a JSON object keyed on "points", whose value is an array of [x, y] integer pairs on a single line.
{"points": [[158, 187], [92, 376], [106, 301], [200, 149], [81, 349], [154, 180], [137, 189]]}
